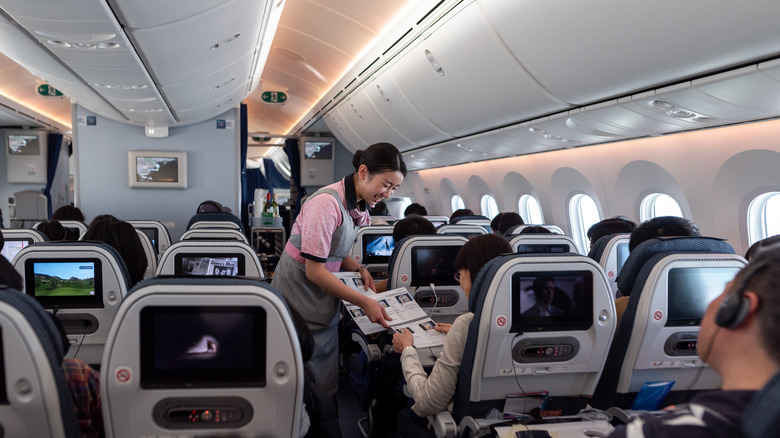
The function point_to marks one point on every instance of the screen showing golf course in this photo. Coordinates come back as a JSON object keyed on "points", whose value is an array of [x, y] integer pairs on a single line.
{"points": [[65, 283]]}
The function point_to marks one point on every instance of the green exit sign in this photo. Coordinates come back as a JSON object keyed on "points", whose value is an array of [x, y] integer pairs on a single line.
{"points": [[47, 90], [274, 97]]}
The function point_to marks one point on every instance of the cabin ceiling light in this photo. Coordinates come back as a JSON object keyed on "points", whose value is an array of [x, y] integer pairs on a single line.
{"points": [[434, 63], [156, 131], [681, 113], [536, 130], [58, 43], [662, 105], [225, 41], [122, 87]]}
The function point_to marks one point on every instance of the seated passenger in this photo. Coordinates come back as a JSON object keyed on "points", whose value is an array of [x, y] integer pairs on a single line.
{"points": [[737, 340], [52, 229], [535, 229], [761, 244], [433, 393], [415, 208], [412, 225], [123, 237], [461, 212], [614, 225], [212, 207], [544, 291], [504, 221], [68, 213]]}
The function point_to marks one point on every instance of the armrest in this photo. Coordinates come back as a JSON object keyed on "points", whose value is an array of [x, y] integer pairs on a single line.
{"points": [[476, 426], [372, 350], [444, 425]]}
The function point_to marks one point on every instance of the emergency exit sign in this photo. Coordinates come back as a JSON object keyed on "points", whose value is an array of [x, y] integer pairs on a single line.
{"points": [[274, 97], [47, 90]]}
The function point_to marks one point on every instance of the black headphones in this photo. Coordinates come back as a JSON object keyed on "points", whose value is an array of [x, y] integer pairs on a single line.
{"points": [[735, 307]]}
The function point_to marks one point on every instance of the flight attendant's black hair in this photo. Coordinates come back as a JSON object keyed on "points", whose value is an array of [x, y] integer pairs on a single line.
{"points": [[380, 157]]}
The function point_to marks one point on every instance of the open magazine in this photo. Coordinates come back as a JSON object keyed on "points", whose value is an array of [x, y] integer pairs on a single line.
{"points": [[399, 305]]}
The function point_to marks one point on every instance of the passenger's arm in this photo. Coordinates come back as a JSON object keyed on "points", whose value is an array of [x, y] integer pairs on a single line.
{"points": [[317, 274]]}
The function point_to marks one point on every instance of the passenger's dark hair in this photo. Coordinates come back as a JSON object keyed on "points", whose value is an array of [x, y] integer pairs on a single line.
{"points": [[412, 225], [415, 208], [614, 225], [52, 229], [68, 213], [769, 241], [662, 226], [123, 237], [502, 222], [103, 217], [380, 209], [380, 157], [480, 250], [461, 212], [535, 229], [9, 277]]}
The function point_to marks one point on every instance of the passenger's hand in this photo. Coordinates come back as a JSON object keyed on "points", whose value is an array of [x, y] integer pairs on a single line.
{"points": [[368, 280], [376, 313], [402, 340], [442, 327]]}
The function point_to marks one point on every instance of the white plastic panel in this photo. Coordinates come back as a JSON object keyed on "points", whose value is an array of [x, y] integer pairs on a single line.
{"points": [[149, 13], [457, 102], [341, 129], [362, 116], [569, 48], [213, 85], [685, 97], [747, 87]]}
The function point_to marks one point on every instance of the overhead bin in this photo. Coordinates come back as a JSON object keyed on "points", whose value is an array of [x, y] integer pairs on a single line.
{"points": [[148, 13], [341, 129], [584, 52], [748, 87]]}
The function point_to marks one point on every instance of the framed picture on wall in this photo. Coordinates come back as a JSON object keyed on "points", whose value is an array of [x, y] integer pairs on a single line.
{"points": [[157, 169]]}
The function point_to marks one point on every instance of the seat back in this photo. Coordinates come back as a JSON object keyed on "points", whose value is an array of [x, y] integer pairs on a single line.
{"points": [[518, 228], [83, 282], [611, 252], [762, 416], [215, 217], [373, 247], [215, 224], [482, 221], [212, 258], [542, 243], [438, 221], [512, 348], [18, 238], [74, 230], [214, 234], [157, 232], [467, 231], [203, 356], [674, 279], [151, 256], [34, 397], [418, 262]]}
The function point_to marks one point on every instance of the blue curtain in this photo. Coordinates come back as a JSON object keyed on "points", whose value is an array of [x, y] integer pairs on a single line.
{"points": [[291, 149], [52, 158], [273, 176], [245, 192]]}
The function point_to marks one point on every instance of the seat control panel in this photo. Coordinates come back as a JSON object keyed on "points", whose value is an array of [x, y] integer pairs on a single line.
{"points": [[202, 412], [558, 349]]}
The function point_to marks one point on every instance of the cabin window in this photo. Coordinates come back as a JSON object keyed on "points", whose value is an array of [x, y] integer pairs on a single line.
{"points": [[456, 203], [658, 204], [583, 213], [530, 210], [764, 217], [489, 206]]}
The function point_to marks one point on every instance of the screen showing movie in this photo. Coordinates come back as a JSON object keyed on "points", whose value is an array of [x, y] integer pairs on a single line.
{"points": [[13, 246], [377, 248], [202, 347], [23, 144], [318, 150], [529, 248], [690, 291], [157, 169], [219, 265], [622, 255], [434, 264], [151, 233], [552, 301], [66, 283]]}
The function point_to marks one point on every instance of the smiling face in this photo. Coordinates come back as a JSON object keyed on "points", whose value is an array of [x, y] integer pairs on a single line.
{"points": [[376, 187]]}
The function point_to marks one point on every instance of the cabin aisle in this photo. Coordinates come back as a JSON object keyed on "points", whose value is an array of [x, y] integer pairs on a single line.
{"points": [[349, 409]]}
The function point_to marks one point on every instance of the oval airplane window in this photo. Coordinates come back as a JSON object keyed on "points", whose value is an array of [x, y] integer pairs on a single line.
{"points": [[763, 217], [530, 210], [658, 204], [583, 213], [456, 203], [489, 206]]}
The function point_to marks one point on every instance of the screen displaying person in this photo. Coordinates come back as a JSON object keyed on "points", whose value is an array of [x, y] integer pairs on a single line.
{"points": [[544, 293]]}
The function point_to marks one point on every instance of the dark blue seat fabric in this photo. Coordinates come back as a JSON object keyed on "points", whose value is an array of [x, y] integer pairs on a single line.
{"points": [[762, 416], [597, 250], [216, 217], [468, 218], [49, 336]]}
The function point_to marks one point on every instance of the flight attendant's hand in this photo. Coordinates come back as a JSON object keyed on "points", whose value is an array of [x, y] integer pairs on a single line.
{"points": [[376, 313], [402, 340]]}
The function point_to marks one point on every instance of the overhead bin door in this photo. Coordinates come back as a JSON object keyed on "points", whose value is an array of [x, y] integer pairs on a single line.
{"points": [[341, 129]]}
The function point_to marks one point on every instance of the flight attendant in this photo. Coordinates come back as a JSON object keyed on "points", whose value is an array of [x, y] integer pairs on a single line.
{"points": [[319, 244]]}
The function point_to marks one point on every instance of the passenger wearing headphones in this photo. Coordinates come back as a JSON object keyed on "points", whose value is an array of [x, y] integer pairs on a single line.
{"points": [[737, 340]]}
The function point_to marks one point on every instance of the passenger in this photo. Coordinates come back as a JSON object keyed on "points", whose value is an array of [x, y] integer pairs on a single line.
{"points": [[68, 213], [544, 292], [123, 237], [415, 208], [535, 229], [412, 225], [614, 225], [380, 209], [433, 393], [212, 207], [740, 347], [662, 226], [320, 242], [461, 212], [761, 244], [53, 230], [504, 221]]}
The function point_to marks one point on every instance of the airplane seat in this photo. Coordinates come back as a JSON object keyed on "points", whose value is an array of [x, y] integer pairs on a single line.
{"points": [[511, 350], [203, 356], [762, 415], [467, 231], [214, 234], [151, 256], [669, 283], [373, 247], [611, 253], [226, 219], [210, 258], [35, 399], [542, 243], [554, 229], [420, 261], [156, 231], [438, 221], [18, 238], [82, 283], [74, 230], [482, 221]]}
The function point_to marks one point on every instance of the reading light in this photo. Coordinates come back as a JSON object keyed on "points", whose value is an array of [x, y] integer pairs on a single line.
{"points": [[156, 131]]}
